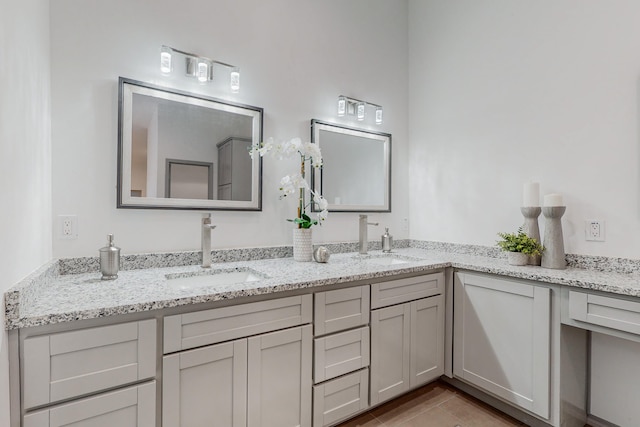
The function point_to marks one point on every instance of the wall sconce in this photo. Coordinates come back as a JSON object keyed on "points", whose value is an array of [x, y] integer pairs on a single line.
{"points": [[357, 107], [197, 66]]}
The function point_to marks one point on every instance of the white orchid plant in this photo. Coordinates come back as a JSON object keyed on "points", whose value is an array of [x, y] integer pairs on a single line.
{"points": [[296, 183]]}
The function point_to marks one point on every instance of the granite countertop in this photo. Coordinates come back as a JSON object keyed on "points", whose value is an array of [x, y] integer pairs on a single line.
{"points": [[47, 297]]}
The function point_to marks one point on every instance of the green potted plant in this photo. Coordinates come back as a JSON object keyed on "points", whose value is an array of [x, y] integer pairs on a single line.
{"points": [[519, 247]]}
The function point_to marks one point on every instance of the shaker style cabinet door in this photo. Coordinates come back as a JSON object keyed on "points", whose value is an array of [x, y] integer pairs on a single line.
{"points": [[279, 378], [427, 340], [390, 352], [206, 386], [502, 339], [130, 407]]}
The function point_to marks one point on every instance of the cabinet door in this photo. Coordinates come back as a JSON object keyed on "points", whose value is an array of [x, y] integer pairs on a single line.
{"points": [[279, 379], [427, 340], [206, 386], [130, 407], [502, 339], [390, 352]]}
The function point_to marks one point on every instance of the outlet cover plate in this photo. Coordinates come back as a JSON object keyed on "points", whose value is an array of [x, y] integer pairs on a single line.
{"points": [[594, 230]]}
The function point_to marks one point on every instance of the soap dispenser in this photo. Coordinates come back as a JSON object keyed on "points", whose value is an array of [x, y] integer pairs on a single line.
{"points": [[109, 260], [387, 241]]}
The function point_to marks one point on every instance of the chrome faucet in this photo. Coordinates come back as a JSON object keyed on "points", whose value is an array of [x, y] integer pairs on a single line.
{"points": [[363, 240], [206, 240]]}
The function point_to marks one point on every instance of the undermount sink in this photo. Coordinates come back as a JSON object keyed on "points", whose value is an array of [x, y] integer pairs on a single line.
{"points": [[212, 278], [387, 259]]}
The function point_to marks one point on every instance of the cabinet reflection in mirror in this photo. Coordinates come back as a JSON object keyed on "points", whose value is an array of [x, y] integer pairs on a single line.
{"points": [[356, 171], [178, 150]]}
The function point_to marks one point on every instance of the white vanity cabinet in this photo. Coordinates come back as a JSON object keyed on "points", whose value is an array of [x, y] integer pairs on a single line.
{"points": [[407, 334], [98, 362], [502, 339], [251, 367], [341, 354]]}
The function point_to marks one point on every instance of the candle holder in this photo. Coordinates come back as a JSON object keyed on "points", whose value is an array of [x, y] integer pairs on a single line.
{"points": [[553, 255], [531, 229]]}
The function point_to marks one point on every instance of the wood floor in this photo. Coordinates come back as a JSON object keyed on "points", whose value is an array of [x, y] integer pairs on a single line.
{"points": [[435, 405]]}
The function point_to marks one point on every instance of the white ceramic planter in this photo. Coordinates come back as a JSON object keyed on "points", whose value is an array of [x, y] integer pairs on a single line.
{"points": [[302, 244], [517, 258]]}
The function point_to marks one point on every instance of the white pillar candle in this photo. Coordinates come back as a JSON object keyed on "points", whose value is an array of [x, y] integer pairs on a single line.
{"points": [[553, 200], [531, 194]]}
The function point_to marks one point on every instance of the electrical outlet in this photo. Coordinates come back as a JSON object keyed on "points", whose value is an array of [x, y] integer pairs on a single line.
{"points": [[68, 226], [594, 230], [405, 224]]}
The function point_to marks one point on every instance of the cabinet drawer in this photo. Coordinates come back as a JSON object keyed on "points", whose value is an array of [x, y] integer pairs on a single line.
{"points": [[609, 312], [341, 309], [69, 364], [340, 398], [130, 407], [398, 291], [189, 330], [341, 353]]}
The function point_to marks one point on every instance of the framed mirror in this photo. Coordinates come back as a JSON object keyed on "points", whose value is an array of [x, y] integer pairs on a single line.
{"points": [[356, 168], [178, 150]]}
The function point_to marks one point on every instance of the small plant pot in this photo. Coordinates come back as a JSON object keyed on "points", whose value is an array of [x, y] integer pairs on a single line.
{"points": [[517, 258]]}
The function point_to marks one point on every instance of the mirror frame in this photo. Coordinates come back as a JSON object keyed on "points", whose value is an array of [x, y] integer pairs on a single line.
{"points": [[316, 177], [128, 87]]}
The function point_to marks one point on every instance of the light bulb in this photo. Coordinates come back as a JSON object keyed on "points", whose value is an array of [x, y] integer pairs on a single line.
{"points": [[360, 111], [378, 115], [165, 60], [202, 71], [235, 80], [342, 106]]}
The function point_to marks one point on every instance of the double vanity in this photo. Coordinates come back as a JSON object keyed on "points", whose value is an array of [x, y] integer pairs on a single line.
{"points": [[274, 342]]}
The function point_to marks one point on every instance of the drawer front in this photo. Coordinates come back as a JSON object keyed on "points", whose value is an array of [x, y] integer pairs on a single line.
{"points": [[130, 407], [341, 398], [398, 291], [70, 364], [341, 353], [189, 330], [609, 312], [341, 309]]}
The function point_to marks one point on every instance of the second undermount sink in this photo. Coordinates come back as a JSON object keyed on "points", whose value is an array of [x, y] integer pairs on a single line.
{"points": [[386, 259], [212, 278]]}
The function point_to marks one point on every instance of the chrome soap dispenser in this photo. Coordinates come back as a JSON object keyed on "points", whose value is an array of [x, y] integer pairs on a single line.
{"points": [[387, 241], [109, 260]]}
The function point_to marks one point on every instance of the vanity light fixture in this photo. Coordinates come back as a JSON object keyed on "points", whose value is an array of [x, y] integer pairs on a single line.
{"points": [[356, 107], [197, 66]]}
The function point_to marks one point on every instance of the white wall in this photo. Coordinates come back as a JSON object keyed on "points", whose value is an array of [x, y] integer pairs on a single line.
{"points": [[295, 56], [25, 153], [503, 91]]}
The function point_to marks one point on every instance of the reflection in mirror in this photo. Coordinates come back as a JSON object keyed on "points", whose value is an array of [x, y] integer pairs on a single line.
{"points": [[356, 171], [178, 150]]}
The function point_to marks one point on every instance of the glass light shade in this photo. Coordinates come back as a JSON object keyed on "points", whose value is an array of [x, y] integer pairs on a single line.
{"points": [[165, 60], [342, 106], [360, 111], [235, 80], [202, 71], [378, 115]]}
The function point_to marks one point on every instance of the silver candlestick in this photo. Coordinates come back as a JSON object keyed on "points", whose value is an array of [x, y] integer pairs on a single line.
{"points": [[553, 255], [531, 228]]}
